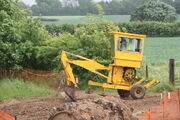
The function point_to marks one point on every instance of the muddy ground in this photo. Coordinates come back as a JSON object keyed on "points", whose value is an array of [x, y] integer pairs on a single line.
{"points": [[41, 108]]}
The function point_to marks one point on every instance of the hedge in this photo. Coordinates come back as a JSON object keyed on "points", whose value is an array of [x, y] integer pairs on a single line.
{"points": [[151, 29], [60, 28]]}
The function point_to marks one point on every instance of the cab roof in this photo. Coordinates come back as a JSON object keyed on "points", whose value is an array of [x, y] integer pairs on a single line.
{"points": [[130, 35]]}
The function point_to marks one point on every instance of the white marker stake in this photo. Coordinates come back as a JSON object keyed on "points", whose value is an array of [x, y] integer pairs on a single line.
{"points": [[169, 95]]}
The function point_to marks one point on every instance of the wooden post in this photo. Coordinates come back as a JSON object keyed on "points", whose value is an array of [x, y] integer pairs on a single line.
{"points": [[171, 70], [147, 75]]}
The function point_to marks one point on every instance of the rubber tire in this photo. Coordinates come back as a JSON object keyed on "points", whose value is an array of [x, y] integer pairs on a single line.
{"points": [[62, 115], [134, 89], [123, 93]]}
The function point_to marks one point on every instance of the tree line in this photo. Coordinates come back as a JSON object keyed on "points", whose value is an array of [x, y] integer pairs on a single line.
{"points": [[82, 7]]}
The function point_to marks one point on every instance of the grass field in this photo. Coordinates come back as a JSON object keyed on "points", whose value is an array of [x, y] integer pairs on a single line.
{"points": [[80, 19], [160, 50], [14, 88], [83, 19]]}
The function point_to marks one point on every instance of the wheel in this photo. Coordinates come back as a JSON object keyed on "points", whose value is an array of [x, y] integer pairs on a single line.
{"points": [[62, 116], [123, 93], [137, 92]]}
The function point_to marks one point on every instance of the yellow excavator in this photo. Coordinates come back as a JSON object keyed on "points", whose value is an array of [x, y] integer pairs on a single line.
{"points": [[127, 54]]}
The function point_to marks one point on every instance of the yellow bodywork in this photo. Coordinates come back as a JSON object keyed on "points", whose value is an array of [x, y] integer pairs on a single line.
{"points": [[127, 59], [121, 59]]}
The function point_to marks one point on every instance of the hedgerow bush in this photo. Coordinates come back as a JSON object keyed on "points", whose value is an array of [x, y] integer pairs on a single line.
{"points": [[152, 29], [57, 29]]}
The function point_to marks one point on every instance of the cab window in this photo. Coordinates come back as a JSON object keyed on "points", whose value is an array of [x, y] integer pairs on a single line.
{"points": [[129, 44]]}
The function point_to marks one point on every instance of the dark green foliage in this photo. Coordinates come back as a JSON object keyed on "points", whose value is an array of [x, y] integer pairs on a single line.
{"points": [[18, 36], [10, 33], [23, 5], [176, 4], [63, 7], [48, 20], [155, 11], [121, 7], [47, 7], [48, 55], [58, 29], [112, 8], [153, 29]]}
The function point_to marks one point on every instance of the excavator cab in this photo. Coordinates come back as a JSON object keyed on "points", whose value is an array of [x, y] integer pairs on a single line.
{"points": [[127, 49]]}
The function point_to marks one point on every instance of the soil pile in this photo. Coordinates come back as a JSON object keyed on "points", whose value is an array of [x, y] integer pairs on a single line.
{"points": [[88, 106], [105, 108]]}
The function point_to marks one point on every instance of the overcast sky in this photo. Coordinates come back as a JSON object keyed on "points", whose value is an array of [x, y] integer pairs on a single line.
{"points": [[31, 2]]}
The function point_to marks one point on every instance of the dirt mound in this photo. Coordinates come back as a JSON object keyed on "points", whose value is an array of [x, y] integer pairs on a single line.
{"points": [[87, 106], [106, 108]]}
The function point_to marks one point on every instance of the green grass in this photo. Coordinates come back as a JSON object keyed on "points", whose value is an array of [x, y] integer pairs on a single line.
{"points": [[157, 72], [15, 88], [83, 19], [161, 49], [158, 51]]}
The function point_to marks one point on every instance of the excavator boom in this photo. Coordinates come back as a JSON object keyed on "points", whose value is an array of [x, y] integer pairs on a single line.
{"points": [[83, 62]]}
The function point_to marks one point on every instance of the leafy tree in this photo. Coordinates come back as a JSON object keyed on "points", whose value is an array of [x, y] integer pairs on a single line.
{"points": [[82, 7], [18, 35], [169, 2], [177, 6], [155, 11], [47, 7], [22, 5], [118, 7], [86, 6], [114, 7]]}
